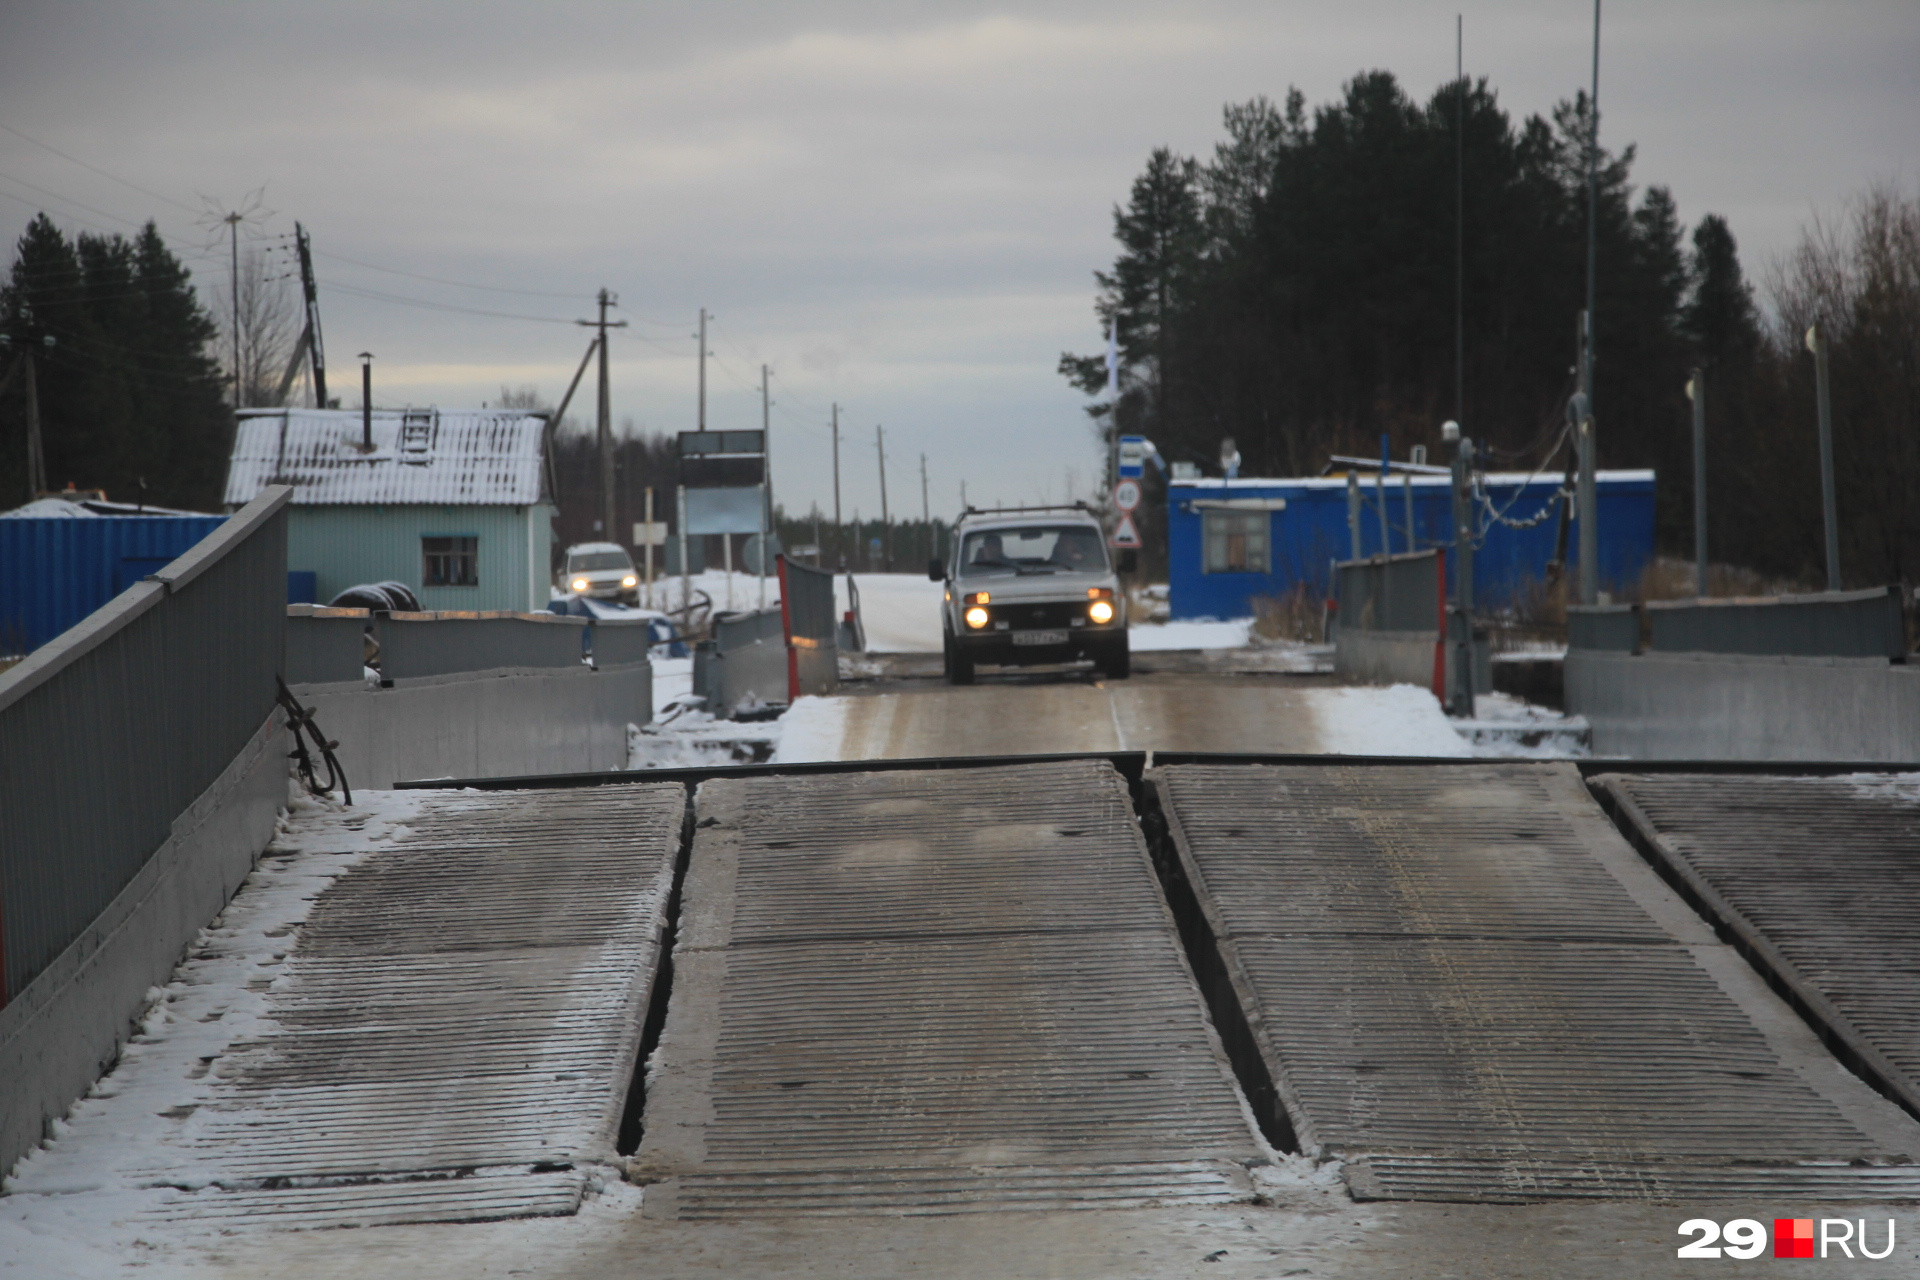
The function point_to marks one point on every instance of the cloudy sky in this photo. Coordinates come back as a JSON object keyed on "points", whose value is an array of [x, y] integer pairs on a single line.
{"points": [[897, 206]]}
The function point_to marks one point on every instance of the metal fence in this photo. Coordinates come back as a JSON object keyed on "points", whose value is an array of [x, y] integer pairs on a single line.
{"points": [[1391, 593], [1614, 628], [1830, 624], [110, 732], [812, 628]]}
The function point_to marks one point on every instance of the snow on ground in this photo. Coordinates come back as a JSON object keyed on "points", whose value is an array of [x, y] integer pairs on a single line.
{"points": [[1204, 634], [900, 611], [1513, 728], [811, 730], [72, 1204], [1403, 720], [1885, 786]]}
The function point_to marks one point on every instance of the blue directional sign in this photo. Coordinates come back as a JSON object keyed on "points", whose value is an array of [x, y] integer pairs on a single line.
{"points": [[1133, 457]]}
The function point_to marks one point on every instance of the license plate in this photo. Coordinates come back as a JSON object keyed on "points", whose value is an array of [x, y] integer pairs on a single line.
{"points": [[1040, 637]]}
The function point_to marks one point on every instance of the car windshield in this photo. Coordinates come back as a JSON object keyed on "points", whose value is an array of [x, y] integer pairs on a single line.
{"points": [[1035, 549], [592, 560]]}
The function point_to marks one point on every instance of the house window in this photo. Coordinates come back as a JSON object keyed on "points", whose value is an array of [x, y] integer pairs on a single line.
{"points": [[1236, 541], [450, 561]]}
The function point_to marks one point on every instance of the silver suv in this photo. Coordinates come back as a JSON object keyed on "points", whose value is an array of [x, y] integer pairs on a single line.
{"points": [[602, 570], [1031, 585]]}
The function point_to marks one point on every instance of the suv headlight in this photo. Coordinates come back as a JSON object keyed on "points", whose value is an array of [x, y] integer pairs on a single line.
{"points": [[580, 584], [629, 581], [1100, 611], [976, 617]]}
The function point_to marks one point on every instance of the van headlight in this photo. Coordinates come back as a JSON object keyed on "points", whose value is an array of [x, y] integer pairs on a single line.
{"points": [[629, 581], [579, 584], [1100, 611], [976, 617]]}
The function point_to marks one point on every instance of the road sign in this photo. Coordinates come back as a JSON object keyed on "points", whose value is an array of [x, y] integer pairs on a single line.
{"points": [[649, 535], [1126, 495], [1133, 457], [1125, 536]]}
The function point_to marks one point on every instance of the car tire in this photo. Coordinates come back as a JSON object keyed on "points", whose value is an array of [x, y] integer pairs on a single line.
{"points": [[1117, 663]]}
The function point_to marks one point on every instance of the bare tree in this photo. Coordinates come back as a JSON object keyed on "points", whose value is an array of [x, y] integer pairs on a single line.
{"points": [[269, 323]]}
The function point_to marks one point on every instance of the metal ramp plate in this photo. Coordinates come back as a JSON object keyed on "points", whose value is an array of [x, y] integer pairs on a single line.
{"points": [[1819, 877], [458, 1023], [932, 992], [1467, 985]]}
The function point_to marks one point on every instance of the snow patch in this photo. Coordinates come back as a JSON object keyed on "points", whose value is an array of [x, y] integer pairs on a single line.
{"points": [[1197, 634], [1404, 720], [812, 730]]}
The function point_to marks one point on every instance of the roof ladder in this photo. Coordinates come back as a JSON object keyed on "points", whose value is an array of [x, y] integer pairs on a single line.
{"points": [[416, 436]]}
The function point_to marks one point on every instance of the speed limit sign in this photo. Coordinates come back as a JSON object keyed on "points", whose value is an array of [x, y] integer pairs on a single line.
{"points": [[1126, 495]]}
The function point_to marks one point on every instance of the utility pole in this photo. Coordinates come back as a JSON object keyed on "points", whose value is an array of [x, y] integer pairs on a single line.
{"points": [[1817, 343], [606, 300], [316, 350], [1460, 614], [1459, 223], [886, 526], [1589, 502], [233, 242], [701, 423], [36, 452], [926, 516], [839, 530], [1697, 393], [766, 481], [1586, 498]]}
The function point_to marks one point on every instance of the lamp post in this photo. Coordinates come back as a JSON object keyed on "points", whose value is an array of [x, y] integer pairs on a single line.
{"points": [[1817, 343]]}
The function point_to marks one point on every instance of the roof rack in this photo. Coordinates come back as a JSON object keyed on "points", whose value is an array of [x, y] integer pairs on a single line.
{"points": [[1078, 505]]}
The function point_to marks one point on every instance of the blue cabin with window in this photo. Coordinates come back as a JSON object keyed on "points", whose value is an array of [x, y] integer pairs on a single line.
{"points": [[1230, 542], [454, 503]]}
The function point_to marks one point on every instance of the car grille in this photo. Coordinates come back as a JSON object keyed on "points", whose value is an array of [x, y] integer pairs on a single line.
{"points": [[1047, 615]]}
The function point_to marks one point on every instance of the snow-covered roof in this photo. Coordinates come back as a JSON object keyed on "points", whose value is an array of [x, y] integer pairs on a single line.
{"points": [[59, 508], [452, 457]]}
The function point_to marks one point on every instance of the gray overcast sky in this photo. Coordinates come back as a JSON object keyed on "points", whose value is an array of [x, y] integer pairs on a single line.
{"points": [[896, 205]]}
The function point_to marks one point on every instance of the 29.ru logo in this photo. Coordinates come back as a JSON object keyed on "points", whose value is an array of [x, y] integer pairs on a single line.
{"points": [[1792, 1238]]}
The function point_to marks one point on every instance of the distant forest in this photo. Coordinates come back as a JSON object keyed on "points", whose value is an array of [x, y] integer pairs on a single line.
{"points": [[1296, 293]]}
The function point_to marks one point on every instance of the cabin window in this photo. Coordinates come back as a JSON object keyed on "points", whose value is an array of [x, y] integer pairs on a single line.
{"points": [[450, 560], [1236, 541]]}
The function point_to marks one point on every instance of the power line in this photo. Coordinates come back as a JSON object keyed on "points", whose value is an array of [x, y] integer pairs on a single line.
{"points": [[458, 284], [377, 296], [47, 146]]}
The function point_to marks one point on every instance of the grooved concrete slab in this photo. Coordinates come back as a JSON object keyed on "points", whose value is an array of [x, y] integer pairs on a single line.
{"points": [[458, 1020], [1468, 985], [1819, 876], [932, 992]]}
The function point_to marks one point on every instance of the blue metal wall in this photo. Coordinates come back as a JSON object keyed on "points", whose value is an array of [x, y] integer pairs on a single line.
{"points": [[1311, 533], [54, 572]]}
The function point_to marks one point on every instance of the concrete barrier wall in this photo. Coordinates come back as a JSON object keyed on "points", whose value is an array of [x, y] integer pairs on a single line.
{"points": [[1669, 706], [487, 724], [1400, 657]]}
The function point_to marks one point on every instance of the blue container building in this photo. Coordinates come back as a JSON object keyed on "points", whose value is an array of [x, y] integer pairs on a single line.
{"points": [[54, 571], [1232, 541]]}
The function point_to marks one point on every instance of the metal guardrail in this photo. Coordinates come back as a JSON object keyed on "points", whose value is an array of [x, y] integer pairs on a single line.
{"points": [[1614, 628], [1830, 624], [112, 730], [1391, 593]]}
